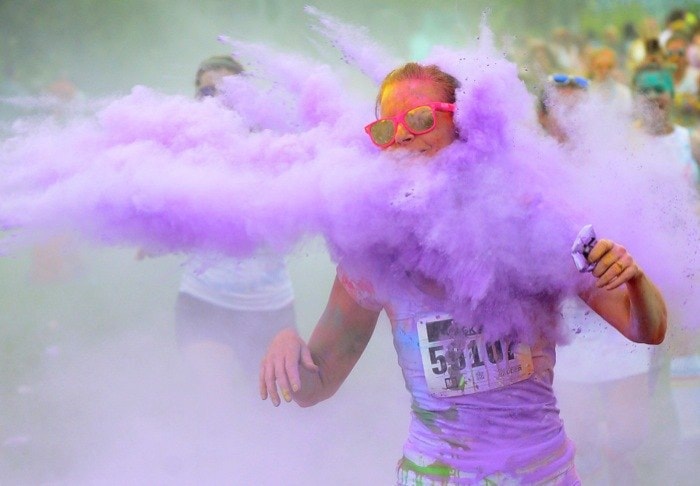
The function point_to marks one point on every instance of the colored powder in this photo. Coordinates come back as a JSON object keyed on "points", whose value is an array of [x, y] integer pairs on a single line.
{"points": [[491, 218], [426, 417], [435, 469], [357, 47]]}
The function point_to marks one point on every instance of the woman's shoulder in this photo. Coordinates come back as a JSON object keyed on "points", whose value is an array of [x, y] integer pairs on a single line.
{"points": [[360, 289]]}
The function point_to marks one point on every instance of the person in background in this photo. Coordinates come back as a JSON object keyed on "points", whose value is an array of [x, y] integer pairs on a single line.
{"points": [[229, 309], [600, 372], [56, 259], [645, 45], [676, 23], [693, 52], [654, 92], [686, 81], [629, 37], [613, 40], [605, 84], [561, 94], [210, 73]]}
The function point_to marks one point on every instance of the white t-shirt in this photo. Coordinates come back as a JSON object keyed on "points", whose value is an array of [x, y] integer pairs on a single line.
{"points": [[260, 283], [689, 83], [677, 144], [615, 95]]}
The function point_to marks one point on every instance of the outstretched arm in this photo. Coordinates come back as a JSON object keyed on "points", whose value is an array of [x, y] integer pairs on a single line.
{"points": [[336, 344], [624, 295]]}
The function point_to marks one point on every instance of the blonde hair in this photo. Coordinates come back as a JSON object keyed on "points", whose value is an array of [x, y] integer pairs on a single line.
{"points": [[447, 83]]}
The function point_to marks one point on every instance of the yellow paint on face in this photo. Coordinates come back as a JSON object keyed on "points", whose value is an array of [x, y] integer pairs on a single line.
{"points": [[389, 92], [401, 96]]}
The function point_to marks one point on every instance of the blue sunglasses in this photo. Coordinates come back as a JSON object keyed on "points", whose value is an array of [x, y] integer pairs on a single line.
{"points": [[566, 80]]}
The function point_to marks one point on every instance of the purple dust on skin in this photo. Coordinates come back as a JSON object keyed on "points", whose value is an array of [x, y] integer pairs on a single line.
{"points": [[490, 219]]}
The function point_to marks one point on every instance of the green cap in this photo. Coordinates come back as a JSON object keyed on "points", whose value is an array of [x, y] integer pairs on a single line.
{"points": [[656, 80]]}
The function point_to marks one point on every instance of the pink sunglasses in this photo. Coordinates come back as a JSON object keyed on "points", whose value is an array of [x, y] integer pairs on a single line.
{"points": [[418, 120]]}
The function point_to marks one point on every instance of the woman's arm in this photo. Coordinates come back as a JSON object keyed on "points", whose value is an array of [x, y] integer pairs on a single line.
{"points": [[624, 296], [336, 344], [695, 144]]}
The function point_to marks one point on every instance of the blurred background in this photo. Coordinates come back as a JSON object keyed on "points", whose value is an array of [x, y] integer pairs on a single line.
{"points": [[106, 47], [93, 389]]}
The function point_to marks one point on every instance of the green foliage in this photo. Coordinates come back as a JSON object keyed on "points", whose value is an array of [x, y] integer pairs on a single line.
{"points": [[614, 13]]}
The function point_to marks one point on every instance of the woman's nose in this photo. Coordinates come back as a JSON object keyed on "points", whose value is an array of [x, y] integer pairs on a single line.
{"points": [[403, 136]]}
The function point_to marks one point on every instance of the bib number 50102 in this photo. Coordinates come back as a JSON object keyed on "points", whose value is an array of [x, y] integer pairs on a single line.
{"points": [[458, 360]]}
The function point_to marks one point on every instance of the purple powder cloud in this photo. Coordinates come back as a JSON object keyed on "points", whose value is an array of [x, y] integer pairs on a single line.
{"points": [[491, 218]]}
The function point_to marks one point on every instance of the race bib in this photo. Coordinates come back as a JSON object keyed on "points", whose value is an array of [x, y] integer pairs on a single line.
{"points": [[459, 361]]}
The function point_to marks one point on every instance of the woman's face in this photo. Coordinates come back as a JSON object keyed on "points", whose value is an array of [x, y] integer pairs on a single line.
{"points": [[405, 95]]}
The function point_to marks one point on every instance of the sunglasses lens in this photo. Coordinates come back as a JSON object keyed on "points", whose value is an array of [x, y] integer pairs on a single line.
{"points": [[581, 82], [420, 119], [566, 80], [382, 131]]}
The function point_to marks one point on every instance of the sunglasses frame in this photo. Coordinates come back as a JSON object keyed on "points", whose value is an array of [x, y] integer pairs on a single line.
{"points": [[401, 119], [653, 91], [560, 79]]}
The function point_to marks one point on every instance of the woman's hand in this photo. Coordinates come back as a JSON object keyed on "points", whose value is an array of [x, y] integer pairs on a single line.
{"points": [[280, 366], [614, 266], [337, 342], [636, 309]]}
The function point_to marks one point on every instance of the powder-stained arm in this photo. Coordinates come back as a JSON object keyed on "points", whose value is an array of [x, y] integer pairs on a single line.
{"points": [[336, 344], [625, 296]]}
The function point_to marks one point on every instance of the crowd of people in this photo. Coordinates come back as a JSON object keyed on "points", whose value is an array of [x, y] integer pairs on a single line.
{"points": [[611, 60], [649, 74]]}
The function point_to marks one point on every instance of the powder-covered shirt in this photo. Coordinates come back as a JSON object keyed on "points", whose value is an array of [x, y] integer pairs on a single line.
{"points": [[514, 429]]}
